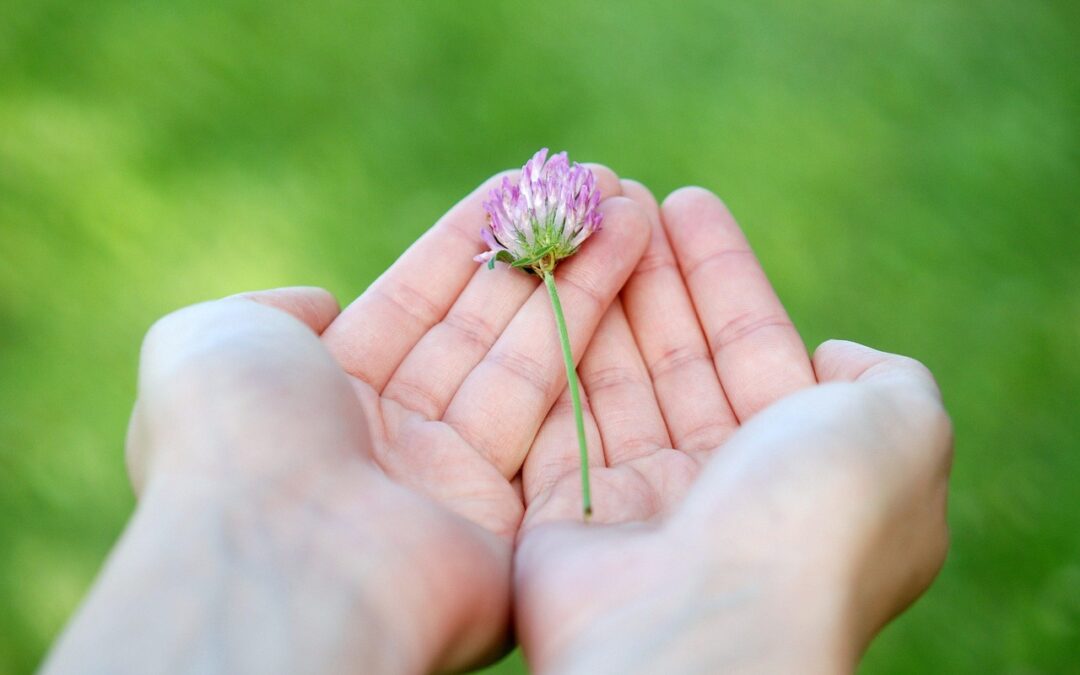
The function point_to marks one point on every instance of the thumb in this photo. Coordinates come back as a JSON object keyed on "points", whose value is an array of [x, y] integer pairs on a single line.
{"points": [[844, 361], [248, 368]]}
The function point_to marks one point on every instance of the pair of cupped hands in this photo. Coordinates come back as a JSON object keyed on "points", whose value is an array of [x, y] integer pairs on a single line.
{"points": [[395, 487]]}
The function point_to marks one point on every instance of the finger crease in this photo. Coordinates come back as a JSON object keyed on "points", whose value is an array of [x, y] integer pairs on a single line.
{"points": [[565, 406], [612, 377], [586, 289], [472, 328], [526, 369], [651, 262], [418, 399], [714, 258], [678, 357], [745, 325], [410, 302], [711, 434], [633, 447]]}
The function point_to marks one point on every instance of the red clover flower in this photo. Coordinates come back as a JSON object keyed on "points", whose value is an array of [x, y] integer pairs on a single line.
{"points": [[534, 224], [544, 217]]}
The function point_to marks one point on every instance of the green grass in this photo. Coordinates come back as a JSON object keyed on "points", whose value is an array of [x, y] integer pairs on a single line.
{"points": [[909, 173]]}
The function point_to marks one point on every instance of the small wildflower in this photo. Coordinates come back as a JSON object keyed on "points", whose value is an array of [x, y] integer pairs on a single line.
{"points": [[544, 217], [533, 225]]}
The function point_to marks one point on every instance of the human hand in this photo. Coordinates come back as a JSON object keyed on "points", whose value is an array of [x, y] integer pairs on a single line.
{"points": [[324, 492], [458, 365], [753, 510], [266, 538]]}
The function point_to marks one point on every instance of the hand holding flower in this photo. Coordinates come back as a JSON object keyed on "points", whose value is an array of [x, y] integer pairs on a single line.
{"points": [[326, 492]]}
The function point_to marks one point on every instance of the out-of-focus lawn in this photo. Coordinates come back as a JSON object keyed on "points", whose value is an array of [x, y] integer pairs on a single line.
{"points": [[909, 172]]}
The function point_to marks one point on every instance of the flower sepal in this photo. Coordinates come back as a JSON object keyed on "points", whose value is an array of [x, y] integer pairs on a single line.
{"points": [[502, 256]]}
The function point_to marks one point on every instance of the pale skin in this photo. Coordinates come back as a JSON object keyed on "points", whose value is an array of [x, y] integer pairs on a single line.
{"points": [[384, 488]]}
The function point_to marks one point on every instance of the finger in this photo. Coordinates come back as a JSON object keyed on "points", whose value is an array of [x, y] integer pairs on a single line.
{"points": [[757, 351], [904, 383], [433, 371], [607, 181], [843, 361], [247, 374], [620, 392], [555, 452], [502, 402], [375, 332], [316, 307], [667, 332]]}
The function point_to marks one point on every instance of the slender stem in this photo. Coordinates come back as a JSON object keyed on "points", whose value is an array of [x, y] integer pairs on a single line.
{"points": [[575, 397]]}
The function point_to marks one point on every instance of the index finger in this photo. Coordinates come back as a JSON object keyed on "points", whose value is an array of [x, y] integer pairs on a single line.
{"points": [[373, 335]]}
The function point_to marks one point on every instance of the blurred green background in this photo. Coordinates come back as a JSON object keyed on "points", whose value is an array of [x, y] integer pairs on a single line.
{"points": [[909, 172]]}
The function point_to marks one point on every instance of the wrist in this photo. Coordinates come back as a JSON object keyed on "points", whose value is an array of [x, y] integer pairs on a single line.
{"points": [[242, 581]]}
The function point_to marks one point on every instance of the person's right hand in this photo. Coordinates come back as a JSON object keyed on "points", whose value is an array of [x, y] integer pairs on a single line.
{"points": [[754, 510]]}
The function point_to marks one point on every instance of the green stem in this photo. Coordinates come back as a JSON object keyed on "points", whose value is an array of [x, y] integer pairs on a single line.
{"points": [[575, 397]]}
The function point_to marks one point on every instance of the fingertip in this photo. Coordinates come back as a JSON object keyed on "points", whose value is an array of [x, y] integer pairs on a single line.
{"points": [[846, 361], [697, 222], [833, 358], [608, 257], [606, 179], [642, 195], [907, 382], [692, 204], [836, 359], [691, 195], [315, 307], [627, 217]]}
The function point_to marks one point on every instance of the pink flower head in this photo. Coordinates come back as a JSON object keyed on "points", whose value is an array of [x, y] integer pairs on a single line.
{"points": [[544, 217]]}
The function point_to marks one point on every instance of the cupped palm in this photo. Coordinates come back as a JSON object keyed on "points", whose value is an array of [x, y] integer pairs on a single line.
{"points": [[715, 441]]}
